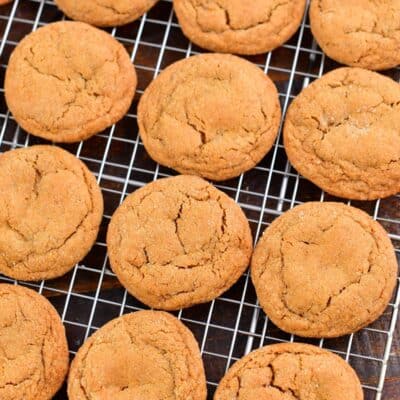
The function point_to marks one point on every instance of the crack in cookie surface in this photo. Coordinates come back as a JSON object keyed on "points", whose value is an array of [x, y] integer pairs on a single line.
{"points": [[49, 221], [178, 242], [324, 270], [55, 93], [342, 133], [231, 11]]}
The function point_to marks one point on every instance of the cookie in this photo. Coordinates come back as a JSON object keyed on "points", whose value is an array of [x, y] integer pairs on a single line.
{"points": [[5, 2], [143, 355], [178, 242], [211, 115], [342, 133], [68, 81], [34, 352], [359, 33], [290, 371], [237, 26], [324, 270], [50, 211], [105, 12]]}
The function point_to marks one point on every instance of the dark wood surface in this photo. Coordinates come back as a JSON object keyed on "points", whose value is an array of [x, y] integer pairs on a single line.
{"points": [[89, 279], [392, 382]]}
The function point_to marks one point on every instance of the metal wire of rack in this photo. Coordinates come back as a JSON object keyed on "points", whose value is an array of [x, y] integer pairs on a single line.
{"points": [[233, 324]]}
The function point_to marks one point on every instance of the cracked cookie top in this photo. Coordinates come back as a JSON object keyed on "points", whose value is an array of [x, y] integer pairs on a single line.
{"points": [[290, 371], [33, 347], [211, 115], [324, 270], [105, 12], [342, 133], [68, 81], [50, 212], [237, 26], [359, 33], [143, 355], [178, 242]]}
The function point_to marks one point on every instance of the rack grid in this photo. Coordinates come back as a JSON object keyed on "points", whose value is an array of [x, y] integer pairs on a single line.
{"points": [[233, 324]]}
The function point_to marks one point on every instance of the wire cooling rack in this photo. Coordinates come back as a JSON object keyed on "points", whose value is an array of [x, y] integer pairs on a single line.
{"points": [[233, 324]]}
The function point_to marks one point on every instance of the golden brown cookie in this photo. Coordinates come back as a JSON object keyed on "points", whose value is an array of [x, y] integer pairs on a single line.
{"points": [[290, 371], [178, 242], [359, 33], [105, 12], [147, 355], [50, 211], [211, 115], [237, 26], [5, 2], [342, 133], [68, 81], [324, 270], [34, 352]]}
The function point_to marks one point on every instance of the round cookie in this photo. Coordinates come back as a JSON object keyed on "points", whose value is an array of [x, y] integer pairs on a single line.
{"points": [[342, 133], [211, 115], [290, 371], [34, 352], [359, 33], [237, 26], [178, 242], [143, 355], [324, 270], [68, 81], [5, 2], [50, 211], [105, 12]]}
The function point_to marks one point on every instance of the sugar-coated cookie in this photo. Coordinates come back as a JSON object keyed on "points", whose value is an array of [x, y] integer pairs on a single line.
{"points": [[178, 242], [237, 26], [359, 33], [68, 81], [50, 212], [324, 270], [142, 355], [290, 371], [34, 352], [105, 12], [212, 115], [342, 133]]}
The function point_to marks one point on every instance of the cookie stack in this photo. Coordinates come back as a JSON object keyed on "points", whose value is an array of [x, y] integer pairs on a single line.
{"points": [[321, 270]]}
